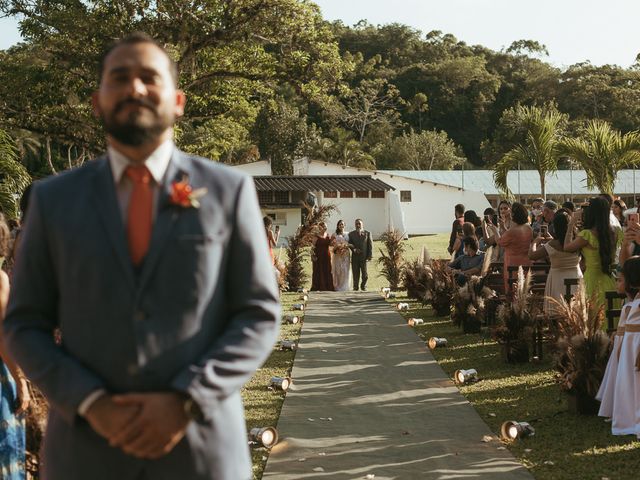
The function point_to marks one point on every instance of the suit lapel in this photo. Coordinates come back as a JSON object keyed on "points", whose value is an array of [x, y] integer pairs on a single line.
{"points": [[166, 215], [106, 204]]}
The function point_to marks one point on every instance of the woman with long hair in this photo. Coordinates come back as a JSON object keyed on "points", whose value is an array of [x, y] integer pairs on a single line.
{"points": [[341, 259], [598, 242], [515, 241], [272, 237], [618, 208], [564, 265], [321, 279], [504, 215], [468, 230]]}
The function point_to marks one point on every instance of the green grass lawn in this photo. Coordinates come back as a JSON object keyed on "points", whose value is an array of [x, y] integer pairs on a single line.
{"points": [[565, 446]]}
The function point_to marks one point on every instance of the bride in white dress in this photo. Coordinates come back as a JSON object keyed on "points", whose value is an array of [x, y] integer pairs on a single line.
{"points": [[341, 259]]}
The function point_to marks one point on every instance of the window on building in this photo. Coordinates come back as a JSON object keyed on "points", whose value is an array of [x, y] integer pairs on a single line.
{"points": [[279, 218], [405, 195], [346, 194], [377, 194], [298, 196], [281, 197], [362, 194], [330, 194], [265, 197]]}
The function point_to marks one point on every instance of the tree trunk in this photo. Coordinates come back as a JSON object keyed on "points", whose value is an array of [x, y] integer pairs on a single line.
{"points": [[49, 161], [543, 186]]}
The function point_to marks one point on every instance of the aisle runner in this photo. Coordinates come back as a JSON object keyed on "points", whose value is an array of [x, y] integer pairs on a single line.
{"points": [[369, 399]]}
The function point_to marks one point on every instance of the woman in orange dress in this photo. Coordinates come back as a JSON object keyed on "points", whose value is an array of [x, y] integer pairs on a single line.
{"points": [[272, 238], [515, 241]]}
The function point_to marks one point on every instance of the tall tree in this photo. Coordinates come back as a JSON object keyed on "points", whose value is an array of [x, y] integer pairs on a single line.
{"points": [[13, 176], [426, 150], [603, 151], [542, 130]]}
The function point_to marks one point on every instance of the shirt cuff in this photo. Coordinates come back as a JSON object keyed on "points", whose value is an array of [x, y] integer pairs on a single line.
{"points": [[90, 400]]}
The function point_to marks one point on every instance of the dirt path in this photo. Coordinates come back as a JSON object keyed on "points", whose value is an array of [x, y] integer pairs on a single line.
{"points": [[369, 399]]}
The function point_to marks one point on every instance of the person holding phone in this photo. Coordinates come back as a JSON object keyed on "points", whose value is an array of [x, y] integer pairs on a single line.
{"points": [[631, 241], [272, 238], [598, 242]]}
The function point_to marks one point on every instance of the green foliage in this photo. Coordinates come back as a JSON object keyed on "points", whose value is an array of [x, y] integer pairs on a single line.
{"points": [[541, 128], [13, 177], [391, 261], [602, 151], [427, 150]]}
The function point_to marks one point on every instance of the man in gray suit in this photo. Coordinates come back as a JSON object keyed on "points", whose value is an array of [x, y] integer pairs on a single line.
{"points": [[153, 265], [361, 252]]}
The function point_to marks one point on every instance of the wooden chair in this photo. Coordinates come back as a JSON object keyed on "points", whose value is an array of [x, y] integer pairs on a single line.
{"points": [[569, 283], [612, 313], [540, 271]]}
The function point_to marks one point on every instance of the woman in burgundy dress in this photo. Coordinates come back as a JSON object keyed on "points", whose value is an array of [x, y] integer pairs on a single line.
{"points": [[321, 257]]}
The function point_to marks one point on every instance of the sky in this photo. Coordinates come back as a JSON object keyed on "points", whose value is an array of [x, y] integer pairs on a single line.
{"points": [[601, 31]]}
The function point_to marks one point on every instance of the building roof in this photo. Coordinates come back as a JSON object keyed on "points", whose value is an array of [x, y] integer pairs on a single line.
{"points": [[525, 182], [318, 183]]}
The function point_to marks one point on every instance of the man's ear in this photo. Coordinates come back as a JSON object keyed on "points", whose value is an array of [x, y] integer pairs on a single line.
{"points": [[181, 101]]}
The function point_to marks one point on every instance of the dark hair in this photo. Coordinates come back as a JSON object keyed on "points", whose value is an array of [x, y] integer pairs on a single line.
{"points": [[597, 216], [459, 208], [134, 39], [5, 235], [560, 224], [471, 242], [608, 197], [623, 206], [267, 220], [490, 212], [551, 205], [569, 206], [469, 229], [472, 217], [337, 223], [541, 200], [631, 272], [519, 213]]}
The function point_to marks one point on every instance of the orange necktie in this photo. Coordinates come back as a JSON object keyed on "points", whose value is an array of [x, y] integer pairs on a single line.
{"points": [[139, 221]]}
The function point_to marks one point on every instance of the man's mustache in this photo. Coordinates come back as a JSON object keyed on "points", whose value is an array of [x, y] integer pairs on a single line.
{"points": [[135, 101]]}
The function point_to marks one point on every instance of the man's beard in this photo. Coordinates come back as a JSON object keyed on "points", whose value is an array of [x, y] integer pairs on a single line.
{"points": [[133, 131]]}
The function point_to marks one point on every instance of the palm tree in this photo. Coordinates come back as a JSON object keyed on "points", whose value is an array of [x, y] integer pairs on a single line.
{"points": [[14, 178], [542, 133], [602, 152]]}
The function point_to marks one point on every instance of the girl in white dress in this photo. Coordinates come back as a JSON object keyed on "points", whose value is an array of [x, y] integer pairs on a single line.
{"points": [[607, 387], [341, 260], [625, 416]]}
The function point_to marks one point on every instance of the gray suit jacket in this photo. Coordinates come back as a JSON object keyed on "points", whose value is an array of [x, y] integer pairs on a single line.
{"points": [[199, 317], [362, 243]]}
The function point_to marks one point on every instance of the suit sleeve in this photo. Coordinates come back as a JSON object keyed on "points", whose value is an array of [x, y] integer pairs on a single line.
{"points": [[369, 247], [254, 308], [32, 318]]}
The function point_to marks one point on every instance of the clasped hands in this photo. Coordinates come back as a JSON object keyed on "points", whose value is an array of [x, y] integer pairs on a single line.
{"points": [[143, 425]]}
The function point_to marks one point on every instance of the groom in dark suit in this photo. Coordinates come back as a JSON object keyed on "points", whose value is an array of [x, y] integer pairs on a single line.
{"points": [[361, 252], [148, 262]]}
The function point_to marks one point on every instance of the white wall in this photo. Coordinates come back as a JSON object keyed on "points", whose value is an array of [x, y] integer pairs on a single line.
{"points": [[288, 220], [431, 206], [374, 212], [255, 169]]}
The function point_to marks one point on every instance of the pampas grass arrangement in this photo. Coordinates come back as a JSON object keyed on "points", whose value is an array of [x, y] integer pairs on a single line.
{"points": [[415, 279], [440, 287], [469, 304], [391, 260]]}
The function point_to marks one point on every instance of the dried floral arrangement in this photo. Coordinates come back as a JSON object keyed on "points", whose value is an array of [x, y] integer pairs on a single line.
{"points": [[469, 304], [440, 287], [583, 348], [515, 321], [415, 279], [391, 259]]}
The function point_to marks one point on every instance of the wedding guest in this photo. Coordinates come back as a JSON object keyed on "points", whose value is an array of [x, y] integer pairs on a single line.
{"points": [[321, 279], [549, 209], [361, 252], [490, 229], [14, 390], [626, 395], [504, 216], [515, 241], [272, 237], [607, 387], [341, 259], [631, 241], [471, 216], [152, 263], [618, 208], [564, 265], [456, 227], [468, 230], [597, 242], [536, 209], [468, 264], [613, 219], [569, 206]]}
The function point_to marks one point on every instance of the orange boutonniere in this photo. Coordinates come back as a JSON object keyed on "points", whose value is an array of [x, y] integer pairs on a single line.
{"points": [[183, 195]]}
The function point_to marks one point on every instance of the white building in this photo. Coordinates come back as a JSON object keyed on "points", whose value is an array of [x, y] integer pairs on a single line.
{"points": [[414, 206]]}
